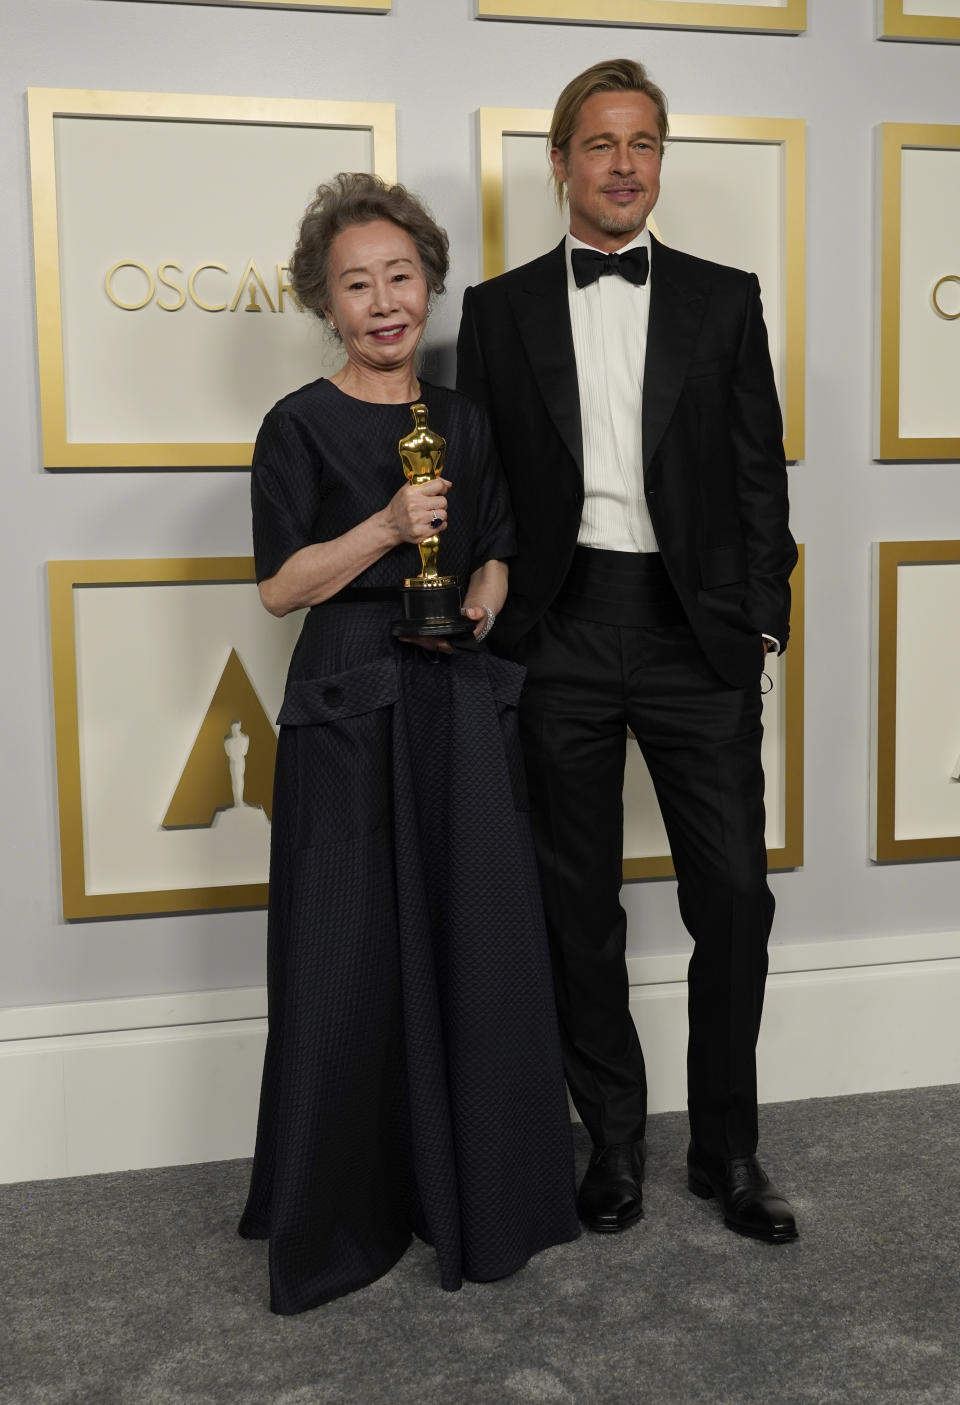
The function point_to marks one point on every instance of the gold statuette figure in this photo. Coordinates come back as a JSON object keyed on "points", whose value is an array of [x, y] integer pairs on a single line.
{"points": [[421, 453], [431, 602]]}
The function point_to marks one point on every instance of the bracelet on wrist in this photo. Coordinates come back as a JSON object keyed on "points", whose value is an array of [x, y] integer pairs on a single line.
{"points": [[487, 624]]}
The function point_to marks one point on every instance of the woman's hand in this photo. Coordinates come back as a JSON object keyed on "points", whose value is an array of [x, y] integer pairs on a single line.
{"points": [[487, 588], [418, 510], [478, 614], [486, 592]]}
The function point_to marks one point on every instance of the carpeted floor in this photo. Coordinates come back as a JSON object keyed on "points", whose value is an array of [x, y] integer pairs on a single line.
{"points": [[134, 1289]]}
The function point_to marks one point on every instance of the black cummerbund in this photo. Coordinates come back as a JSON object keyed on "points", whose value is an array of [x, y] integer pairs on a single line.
{"points": [[619, 587]]}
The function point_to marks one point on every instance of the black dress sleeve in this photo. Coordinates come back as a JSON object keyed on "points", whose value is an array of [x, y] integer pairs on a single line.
{"points": [[284, 480], [495, 536]]}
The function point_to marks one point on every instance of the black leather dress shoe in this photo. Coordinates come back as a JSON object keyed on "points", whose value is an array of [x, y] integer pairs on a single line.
{"points": [[750, 1204], [611, 1193]]}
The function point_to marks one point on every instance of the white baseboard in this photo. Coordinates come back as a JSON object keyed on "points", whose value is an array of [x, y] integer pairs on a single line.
{"points": [[81, 1103], [852, 1016], [111, 1085]]}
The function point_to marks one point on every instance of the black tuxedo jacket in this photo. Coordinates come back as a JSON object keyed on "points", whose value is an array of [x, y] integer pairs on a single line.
{"points": [[713, 465]]}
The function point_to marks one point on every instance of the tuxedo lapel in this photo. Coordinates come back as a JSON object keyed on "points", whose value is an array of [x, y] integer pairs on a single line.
{"points": [[541, 307], [542, 310], [677, 305]]}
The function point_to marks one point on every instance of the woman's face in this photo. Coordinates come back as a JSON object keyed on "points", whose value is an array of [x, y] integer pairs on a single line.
{"points": [[378, 294]]}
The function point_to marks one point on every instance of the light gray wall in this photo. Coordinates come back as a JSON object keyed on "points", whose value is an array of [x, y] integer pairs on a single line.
{"points": [[438, 65]]}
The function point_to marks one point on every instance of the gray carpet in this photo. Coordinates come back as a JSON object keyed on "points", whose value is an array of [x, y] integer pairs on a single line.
{"points": [[134, 1289]]}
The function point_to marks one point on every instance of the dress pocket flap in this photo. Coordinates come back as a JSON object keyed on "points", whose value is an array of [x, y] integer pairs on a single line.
{"points": [[312, 701], [722, 565]]}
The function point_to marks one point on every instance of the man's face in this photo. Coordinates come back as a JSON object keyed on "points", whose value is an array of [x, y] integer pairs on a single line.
{"points": [[612, 168]]}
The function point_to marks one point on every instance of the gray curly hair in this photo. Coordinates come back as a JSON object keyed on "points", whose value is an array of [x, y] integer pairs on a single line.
{"points": [[355, 197]]}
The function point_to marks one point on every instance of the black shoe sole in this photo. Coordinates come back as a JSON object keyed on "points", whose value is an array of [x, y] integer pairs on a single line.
{"points": [[776, 1236], [701, 1187], [604, 1226]]}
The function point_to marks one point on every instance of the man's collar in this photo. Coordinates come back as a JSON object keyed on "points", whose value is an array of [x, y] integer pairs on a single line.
{"points": [[639, 241], [571, 242]]}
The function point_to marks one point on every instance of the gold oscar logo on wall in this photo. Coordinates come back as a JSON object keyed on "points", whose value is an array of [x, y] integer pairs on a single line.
{"points": [[132, 286], [232, 760], [946, 300]]}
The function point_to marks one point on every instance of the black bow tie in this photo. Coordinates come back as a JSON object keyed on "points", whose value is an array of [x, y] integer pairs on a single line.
{"points": [[589, 265]]}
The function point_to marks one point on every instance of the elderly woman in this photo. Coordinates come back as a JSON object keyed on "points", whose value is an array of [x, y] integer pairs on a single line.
{"points": [[412, 1082]]}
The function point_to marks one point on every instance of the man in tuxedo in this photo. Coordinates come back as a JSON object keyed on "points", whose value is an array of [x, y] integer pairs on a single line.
{"points": [[634, 406]]}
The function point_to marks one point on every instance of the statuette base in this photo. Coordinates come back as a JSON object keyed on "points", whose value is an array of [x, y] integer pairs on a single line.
{"points": [[431, 610]]}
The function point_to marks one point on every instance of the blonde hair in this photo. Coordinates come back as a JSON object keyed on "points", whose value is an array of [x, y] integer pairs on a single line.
{"points": [[610, 76]]}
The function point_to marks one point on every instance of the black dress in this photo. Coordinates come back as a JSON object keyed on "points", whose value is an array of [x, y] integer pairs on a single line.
{"points": [[412, 1081]]}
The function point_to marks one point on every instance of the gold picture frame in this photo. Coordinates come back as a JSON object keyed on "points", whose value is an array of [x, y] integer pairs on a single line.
{"points": [[787, 133], [46, 106], [894, 139], [789, 854], [64, 578], [790, 18], [935, 29], [888, 558]]}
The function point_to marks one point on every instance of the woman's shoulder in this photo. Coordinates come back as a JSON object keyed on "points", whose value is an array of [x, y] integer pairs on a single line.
{"points": [[297, 418], [290, 433], [303, 402]]}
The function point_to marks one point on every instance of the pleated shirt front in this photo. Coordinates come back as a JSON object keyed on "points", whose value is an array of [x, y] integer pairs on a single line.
{"points": [[609, 323]]}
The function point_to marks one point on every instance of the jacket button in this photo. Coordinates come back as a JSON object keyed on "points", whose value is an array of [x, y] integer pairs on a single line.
{"points": [[333, 697]]}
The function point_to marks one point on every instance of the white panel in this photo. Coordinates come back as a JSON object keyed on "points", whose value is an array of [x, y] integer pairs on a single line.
{"points": [[33, 1137], [724, 201], [149, 658], [660, 1014], [643, 833], [114, 1102], [163, 1098], [928, 701], [825, 1034], [948, 9], [929, 248], [191, 193], [532, 220]]}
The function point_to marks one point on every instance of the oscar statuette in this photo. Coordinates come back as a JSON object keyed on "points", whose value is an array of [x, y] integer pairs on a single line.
{"points": [[431, 602]]}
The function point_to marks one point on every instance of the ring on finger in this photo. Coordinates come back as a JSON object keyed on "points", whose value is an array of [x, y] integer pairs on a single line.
{"points": [[436, 520]]}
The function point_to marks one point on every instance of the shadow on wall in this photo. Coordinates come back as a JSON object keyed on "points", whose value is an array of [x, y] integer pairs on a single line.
{"points": [[439, 363]]}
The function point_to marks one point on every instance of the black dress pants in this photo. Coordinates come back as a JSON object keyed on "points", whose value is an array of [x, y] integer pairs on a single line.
{"points": [[586, 683]]}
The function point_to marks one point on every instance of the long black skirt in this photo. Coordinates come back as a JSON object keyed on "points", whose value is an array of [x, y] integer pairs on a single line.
{"points": [[412, 1082]]}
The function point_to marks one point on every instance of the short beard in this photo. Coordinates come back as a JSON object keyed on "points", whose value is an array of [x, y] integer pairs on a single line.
{"points": [[626, 223]]}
